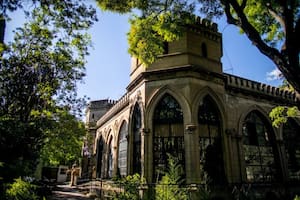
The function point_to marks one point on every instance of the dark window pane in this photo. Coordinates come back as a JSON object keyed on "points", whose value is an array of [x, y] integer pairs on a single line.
{"points": [[168, 134], [122, 157], [211, 155], [258, 150], [137, 124], [291, 139]]}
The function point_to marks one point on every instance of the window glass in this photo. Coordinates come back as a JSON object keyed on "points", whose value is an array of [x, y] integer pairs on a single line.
{"points": [[110, 159], [291, 140], [210, 147], [137, 124], [99, 157], [168, 134], [122, 153], [258, 149]]}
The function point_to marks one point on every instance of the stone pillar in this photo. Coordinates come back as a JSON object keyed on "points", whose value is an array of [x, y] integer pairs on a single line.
{"points": [[144, 151], [240, 167], [228, 156], [192, 164]]}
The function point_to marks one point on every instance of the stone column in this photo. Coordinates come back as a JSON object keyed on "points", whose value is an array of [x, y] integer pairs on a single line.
{"points": [[144, 151], [192, 165]]}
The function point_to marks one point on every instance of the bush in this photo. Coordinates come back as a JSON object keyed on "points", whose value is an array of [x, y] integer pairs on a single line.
{"points": [[21, 190], [169, 186], [131, 185]]}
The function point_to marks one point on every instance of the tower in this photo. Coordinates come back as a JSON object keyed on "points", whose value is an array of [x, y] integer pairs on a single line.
{"points": [[199, 47]]}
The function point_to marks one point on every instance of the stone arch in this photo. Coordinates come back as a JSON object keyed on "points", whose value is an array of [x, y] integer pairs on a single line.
{"points": [[207, 91], [210, 125], [150, 108], [262, 111], [134, 136], [156, 97], [260, 154], [168, 134]]}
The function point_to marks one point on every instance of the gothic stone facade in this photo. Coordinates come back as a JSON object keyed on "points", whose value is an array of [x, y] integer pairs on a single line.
{"points": [[215, 124]]}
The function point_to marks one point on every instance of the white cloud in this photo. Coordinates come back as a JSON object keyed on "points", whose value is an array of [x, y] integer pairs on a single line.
{"points": [[274, 75]]}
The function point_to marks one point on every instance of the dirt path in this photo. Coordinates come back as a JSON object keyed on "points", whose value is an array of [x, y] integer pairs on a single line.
{"points": [[67, 192]]}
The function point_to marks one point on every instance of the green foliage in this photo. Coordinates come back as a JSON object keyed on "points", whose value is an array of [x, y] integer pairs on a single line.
{"points": [[280, 114], [38, 95], [297, 197], [21, 190], [272, 26], [169, 186], [158, 22], [130, 185], [63, 142]]}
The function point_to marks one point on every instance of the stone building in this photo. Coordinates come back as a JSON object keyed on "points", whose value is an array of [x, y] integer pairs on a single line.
{"points": [[215, 124]]}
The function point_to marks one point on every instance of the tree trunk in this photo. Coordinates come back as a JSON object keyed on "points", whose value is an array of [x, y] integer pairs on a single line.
{"points": [[2, 28]]}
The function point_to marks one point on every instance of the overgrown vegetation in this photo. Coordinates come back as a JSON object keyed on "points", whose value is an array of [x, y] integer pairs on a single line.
{"points": [[25, 190], [39, 72], [169, 187], [130, 185]]}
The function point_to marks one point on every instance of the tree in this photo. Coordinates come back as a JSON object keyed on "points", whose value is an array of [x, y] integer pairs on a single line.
{"points": [[38, 75], [63, 142], [272, 26]]}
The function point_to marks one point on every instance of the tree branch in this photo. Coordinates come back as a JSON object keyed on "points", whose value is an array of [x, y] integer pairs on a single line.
{"points": [[230, 18], [276, 16], [291, 71], [243, 5]]}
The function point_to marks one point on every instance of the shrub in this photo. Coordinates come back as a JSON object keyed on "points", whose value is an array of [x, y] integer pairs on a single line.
{"points": [[131, 186], [169, 186], [21, 190]]}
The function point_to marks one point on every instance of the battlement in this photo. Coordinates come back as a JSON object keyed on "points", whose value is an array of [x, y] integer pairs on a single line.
{"points": [[239, 83], [101, 103], [120, 104], [205, 23]]}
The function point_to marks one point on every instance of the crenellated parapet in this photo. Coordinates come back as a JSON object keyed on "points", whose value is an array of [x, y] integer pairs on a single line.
{"points": [[241, 84], [205, 28], [119, 105], [96, 109], [205, 23], [101, 103]]}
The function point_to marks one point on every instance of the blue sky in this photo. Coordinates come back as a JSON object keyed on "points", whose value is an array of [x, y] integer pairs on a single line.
{"points": [[109, 63]]}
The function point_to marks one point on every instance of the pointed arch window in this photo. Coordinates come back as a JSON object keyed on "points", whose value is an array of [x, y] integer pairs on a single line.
{"points": [[210, 146], [168, 134], [110, 159], [136, 127], [291, 140], [259, 146], [122, 153], [99, 157]]}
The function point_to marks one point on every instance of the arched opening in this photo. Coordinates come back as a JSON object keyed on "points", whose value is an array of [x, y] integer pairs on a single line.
{"points": [[168, 135], [166, 47], [110, 159], [122, 152], [204, 50], [210, 144], [259, 149], [291, 140], [136, 128], [99, 157]]}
